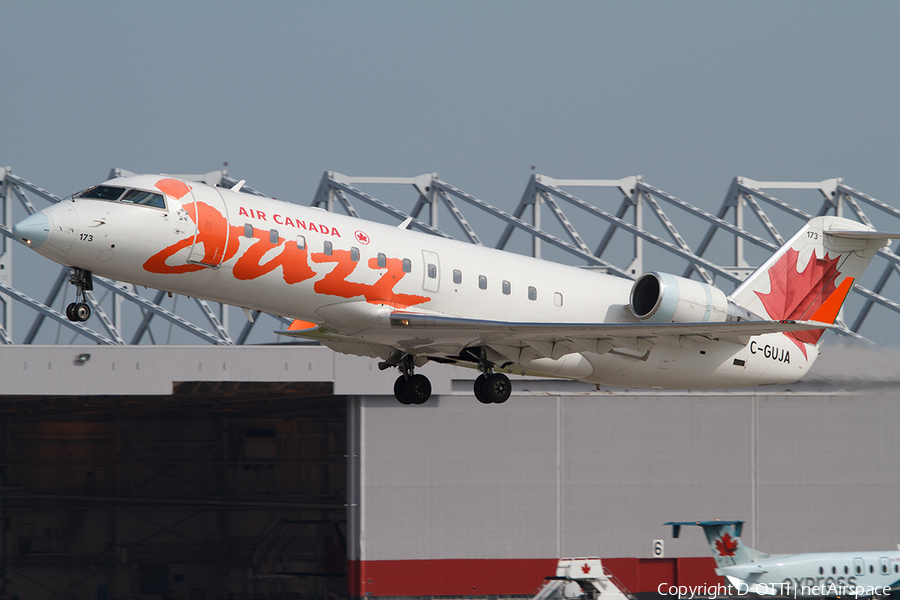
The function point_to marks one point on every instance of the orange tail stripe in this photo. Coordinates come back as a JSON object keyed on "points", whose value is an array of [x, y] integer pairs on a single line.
{"points": [[829, 310]]}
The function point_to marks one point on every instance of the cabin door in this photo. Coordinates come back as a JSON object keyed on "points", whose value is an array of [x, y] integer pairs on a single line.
{"points": [[211, 229]]}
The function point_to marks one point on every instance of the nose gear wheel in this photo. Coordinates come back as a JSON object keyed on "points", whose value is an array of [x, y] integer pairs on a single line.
{"points": [[84, 282]]}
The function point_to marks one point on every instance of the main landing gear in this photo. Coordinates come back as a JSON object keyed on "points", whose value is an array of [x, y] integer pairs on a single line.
{"points": [[493, 389], [490, 387], [83, 282], [409, 388]]}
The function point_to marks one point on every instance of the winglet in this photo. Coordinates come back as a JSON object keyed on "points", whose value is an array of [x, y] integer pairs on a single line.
{"points": [[405, 223], [299, 325], [237, 187], [300, 329], [828, 312]]}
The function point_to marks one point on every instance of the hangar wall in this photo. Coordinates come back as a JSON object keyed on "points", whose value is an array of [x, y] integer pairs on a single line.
{"points": [[492, 492], [235, 473]]}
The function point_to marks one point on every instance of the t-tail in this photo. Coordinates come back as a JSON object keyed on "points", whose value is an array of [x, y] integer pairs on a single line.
{"points": [[724, 539], [809, 277]]}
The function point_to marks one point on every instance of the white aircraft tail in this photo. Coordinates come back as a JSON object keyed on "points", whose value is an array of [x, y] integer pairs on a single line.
{"points": [[809, 277], [724, 539]]}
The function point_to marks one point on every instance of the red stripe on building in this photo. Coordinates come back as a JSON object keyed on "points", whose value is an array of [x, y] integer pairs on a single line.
{"points": [[479, 577]]}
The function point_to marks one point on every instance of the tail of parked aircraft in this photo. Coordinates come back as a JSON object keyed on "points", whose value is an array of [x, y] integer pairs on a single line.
{"points": [[724, 539], [809, 277]]}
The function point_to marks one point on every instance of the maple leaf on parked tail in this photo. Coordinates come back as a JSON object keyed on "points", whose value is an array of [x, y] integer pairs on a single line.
{"points": [[727, 545], [797, 295]]}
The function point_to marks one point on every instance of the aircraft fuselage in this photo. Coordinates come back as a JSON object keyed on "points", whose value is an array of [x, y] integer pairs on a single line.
{"points": [[347, 275]]}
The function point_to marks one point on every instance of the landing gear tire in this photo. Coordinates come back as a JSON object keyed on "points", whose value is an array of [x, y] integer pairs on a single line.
{"points": [[497, 388], [493, 389], [479, 390], [78, 312], [417, 389], [82, 311], [84, 282], [399, 392]]}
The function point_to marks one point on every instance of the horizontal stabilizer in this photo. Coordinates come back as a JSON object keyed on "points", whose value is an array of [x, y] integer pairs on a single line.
{"points": [[864, 235], [676, 525]]}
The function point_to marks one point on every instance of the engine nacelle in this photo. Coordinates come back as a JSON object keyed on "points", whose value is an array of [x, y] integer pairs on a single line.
{"points": [[665, 298]]}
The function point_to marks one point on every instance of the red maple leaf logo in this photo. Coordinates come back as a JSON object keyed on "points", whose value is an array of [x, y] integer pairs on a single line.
{"points": [[362, 237], [585, 568], [727, 545], [796, 295]]}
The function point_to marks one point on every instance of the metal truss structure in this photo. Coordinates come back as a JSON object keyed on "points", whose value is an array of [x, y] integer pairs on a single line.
{"points": [[624, 213]]}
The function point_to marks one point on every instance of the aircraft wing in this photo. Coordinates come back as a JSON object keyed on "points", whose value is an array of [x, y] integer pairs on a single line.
{"points": [[715, 330], [438, 335], [523, 341]]}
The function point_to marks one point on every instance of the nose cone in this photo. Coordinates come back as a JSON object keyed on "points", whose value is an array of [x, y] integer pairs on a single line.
{"points": [[33, 229]]}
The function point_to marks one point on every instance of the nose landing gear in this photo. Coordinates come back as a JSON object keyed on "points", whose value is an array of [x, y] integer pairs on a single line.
{"points": [[83, 282]]}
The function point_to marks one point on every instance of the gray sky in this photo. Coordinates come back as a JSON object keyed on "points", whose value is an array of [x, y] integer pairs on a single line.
{"points": [[687, 94]]}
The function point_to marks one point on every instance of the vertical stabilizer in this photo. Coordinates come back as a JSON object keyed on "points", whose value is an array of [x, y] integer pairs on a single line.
{"points": [[724, 539], [809, 277]]}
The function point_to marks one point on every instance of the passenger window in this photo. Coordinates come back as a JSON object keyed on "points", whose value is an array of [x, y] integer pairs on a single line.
{"points": [[457, 276], [144, 198], [896, 568], [858, 569], [557, 299], [354, 254], [506, 287], [432, 271], [871, 569], [532, 292], [328, 248], [846, 570], [482, 282], [273, 236], [407, 265], [834, 570], [821, 571], [382, 260], [301, 242], [248, 230]]}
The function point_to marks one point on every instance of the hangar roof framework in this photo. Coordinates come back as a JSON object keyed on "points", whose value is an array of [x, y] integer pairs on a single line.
{"points": [[575, 221]]}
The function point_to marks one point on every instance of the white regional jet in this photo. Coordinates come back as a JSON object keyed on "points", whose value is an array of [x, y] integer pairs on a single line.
{"points": [[821, 574], [407, 298]]}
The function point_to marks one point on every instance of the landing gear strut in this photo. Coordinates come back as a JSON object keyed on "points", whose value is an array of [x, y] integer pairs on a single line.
{"points": [[490, 387], [409, 388], [83, 282]]}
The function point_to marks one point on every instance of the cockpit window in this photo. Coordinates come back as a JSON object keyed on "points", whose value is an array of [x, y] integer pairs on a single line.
{"points": [[131, 196], [145, 198], [102, 192]]}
